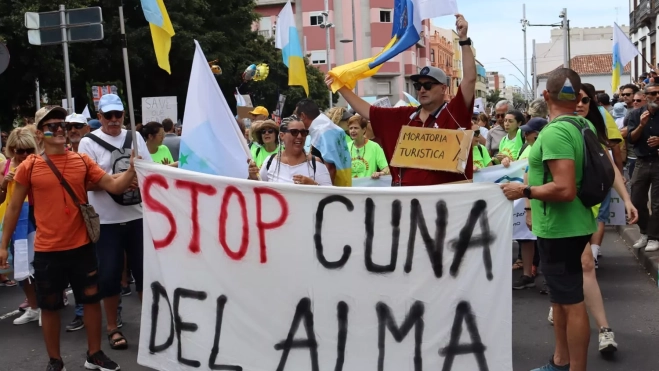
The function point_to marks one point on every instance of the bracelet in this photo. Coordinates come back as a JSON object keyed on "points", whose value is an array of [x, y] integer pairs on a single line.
{"points": [[527, 209]]}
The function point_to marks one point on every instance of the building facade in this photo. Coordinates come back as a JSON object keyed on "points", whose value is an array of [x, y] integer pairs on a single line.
{"points": [[495, 81], [593, 69], [481, 80], [441, 56], [373, 27], [643, 22]]}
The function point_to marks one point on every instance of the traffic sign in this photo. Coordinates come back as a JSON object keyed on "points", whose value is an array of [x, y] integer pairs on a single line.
{"points": [[92, 32], [74, 17], [4, 58]]}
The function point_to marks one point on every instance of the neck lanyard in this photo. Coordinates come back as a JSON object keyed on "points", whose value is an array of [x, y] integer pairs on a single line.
{"points": [[363, 147]]}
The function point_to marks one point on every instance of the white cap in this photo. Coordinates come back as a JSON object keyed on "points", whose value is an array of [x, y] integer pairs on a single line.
{"points": [[76, 118]]}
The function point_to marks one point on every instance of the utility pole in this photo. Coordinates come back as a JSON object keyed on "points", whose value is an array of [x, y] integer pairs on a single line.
{"points": [[566, 38], [354, 42], [524, 24], [534, 71], [65, 51], [327, 26]]}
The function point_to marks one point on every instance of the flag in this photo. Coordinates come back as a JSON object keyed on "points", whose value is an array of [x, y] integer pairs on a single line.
{"points": [[412, 100], [162, 30], [86, 113], [405, 33], [211, 141], [330, 140], [288, 41], [623, 52]]}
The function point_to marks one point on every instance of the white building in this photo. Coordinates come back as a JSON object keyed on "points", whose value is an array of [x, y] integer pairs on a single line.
{"points": [[495, 81], [509, 92], [643, 20], [593, 69]]}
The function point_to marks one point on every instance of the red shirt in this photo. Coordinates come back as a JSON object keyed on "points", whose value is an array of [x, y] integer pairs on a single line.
{"points": [[387, 123]]}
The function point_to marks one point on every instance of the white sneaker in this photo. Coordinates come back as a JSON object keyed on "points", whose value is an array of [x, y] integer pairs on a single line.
{"points": [[607, 341], [30, 315], [653, 245], [550, 317], [641, 242]]}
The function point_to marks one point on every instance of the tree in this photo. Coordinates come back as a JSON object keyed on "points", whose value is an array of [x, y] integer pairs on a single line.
{"points": [[493, 96], [519, 101]]}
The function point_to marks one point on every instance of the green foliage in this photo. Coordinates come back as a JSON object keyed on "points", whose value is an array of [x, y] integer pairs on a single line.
{"points": [[222, 28], [493, 96], [518, 101]]}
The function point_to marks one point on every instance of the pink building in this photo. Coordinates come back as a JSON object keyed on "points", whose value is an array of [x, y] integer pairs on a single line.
{"points": [[373, 25]]}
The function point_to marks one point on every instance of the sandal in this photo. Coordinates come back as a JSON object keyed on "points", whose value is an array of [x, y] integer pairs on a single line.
{"points": [[121, 339], [8, 283], [518, 264]]}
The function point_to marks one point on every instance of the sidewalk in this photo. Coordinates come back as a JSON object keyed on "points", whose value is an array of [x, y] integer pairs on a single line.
{"points": [[650, 261]]}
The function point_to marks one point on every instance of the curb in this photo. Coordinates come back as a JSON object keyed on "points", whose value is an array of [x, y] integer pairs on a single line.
{"points": [[649, 260]]}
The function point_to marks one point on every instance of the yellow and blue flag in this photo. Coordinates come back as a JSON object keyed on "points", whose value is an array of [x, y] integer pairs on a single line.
{"points": [[330, 140], [288, 41], [623, 52], [162, 30], [405, 33]]}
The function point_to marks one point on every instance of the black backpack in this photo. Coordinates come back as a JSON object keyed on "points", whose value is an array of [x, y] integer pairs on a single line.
{"points": [[598, 173]]}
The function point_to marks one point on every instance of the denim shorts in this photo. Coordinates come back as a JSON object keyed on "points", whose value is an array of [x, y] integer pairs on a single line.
{"points": [[604, 214]]}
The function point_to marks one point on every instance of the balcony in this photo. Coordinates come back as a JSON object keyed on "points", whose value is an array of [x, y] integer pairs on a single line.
{"points": [[632, 23], [272, 2], [644, 12]]}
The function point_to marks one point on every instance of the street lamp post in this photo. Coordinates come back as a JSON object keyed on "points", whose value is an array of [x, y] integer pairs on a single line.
{"points": [[526, 86], [326, 25]]}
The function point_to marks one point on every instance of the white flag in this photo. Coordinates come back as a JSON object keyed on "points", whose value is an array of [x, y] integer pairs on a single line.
{"points": [[626, 50], [436, 8], [86, 113]]}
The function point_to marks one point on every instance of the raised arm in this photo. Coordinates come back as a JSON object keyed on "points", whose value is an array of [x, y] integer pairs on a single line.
{"points": [[468, 84], [362, 107]]}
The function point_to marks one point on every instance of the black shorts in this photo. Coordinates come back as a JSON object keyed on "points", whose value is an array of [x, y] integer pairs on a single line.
{"points": [[54, 271], [560, 262]]}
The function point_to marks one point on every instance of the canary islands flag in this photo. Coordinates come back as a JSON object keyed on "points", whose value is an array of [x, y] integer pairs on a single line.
{"points": [[288, 41], [623, 52], [330, 140], [162, 30]]}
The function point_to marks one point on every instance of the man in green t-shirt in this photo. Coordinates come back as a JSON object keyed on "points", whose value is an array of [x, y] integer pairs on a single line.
{"points": [[561, 222]]}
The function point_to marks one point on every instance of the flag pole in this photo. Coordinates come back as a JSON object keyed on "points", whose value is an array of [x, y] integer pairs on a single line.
{"points": [[124, 47]]}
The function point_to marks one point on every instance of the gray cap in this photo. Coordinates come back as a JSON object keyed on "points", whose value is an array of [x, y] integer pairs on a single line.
{"points": [[432, 72]]}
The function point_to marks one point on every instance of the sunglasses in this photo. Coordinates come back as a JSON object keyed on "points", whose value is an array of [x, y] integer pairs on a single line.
{"points": [[111, 114], [76, 125], [626, 94], [22, 151], [652, 93], [477, 134], [54, 126], [638, 100], [267, 131], [585, 100], [426, 85], [296, 132], [500, 115]]}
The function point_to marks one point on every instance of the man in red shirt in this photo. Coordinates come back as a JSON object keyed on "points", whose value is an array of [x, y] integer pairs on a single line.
{"points": [[431, 83]]}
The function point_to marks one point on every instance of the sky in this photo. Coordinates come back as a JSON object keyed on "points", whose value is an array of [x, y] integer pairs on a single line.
{"points": [[496, 31]]}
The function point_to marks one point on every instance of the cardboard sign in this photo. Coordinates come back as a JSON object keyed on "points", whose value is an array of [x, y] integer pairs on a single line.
{"points": [[432, 149], [275, 276], [159, 108]]}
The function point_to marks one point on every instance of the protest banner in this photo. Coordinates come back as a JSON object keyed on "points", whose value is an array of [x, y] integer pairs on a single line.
{"points": [[383, 181], [432, 149], [617, 210], [515, 173], [159, 108], [382, 102], [248, 275]]}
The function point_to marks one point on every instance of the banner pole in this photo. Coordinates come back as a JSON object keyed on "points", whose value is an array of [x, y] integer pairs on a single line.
{"points": [[124, 48]]}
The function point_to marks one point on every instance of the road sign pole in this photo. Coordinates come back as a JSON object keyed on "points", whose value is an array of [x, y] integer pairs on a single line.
{"points": [[65, 50], [37, 94], [129, 89]]}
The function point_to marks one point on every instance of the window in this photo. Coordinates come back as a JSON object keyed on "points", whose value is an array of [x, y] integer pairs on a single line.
{"points": [[385, 16], [265, 27], [383, 88], [316, 19], [432, 55], [318, 57]]}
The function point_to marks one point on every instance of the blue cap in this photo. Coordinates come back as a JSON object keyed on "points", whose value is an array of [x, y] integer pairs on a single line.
{"points": [[110, 102], [534, 124], [94, 124]]}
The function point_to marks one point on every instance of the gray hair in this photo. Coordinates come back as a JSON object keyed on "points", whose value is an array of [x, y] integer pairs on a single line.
{"points": [[504, 102], [650, 85], [538, 108]]}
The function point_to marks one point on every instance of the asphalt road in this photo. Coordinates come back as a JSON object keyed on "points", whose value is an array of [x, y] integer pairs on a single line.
{"points": [[631, 300]]}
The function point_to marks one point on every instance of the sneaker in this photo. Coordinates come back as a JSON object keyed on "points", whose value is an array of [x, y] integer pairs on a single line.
{"points": [[653, 245], [24, 305], [120, 322], [544, 290], [641, 242], [552, 367], [55, 365], [550, 317], [75, 325], [597, 264], [99, 361], [126, 291], [65, 299], [607, 341], [524, 282], [30, 315]]}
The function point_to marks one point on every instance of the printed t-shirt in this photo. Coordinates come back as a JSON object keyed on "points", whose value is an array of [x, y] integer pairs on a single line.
{"points": [[58, 230], [161, 154], [559, 140], [109, 211], [259, 154], [388, 122], [525, 154], [367, 160], [481, 156], [511, 147]]}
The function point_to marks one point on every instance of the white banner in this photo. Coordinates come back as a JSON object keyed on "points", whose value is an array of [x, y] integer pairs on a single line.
{"points": [[617, 210], [159, 108], [246, 275], [515, 173], [383, 181]]}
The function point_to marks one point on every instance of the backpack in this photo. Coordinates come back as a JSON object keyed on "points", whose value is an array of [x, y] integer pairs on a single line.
{"points": [[598, 173], [119, 163], [313, 164]]}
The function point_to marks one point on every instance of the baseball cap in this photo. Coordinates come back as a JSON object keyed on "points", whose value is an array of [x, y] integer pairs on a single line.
{"points": [[619, 110], [110, 102], [476, 111], [94, 124], [48, 112], [260, 110], [534, 124], [77, 118], [432, 72]]}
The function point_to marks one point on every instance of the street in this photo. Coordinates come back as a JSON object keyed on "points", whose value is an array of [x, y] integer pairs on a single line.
{"points": [[631, 300]]}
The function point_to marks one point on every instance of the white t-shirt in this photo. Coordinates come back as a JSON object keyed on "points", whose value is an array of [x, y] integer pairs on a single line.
{"points": [[284, 173], [109, 211]]}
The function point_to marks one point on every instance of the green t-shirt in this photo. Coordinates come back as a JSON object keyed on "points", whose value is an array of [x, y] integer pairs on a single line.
{"points": [[559, 140], [367, 160], [511, 147], [481, 156], [525, 153], [259, 154], [161, 154]]}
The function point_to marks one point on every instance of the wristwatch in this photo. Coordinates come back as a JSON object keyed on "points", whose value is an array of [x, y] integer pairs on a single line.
{"points": [[465, 42], [527, 192]]}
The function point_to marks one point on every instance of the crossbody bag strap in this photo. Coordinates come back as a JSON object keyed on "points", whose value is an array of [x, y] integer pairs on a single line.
{"points": [[61, 179], [101, 142]]}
